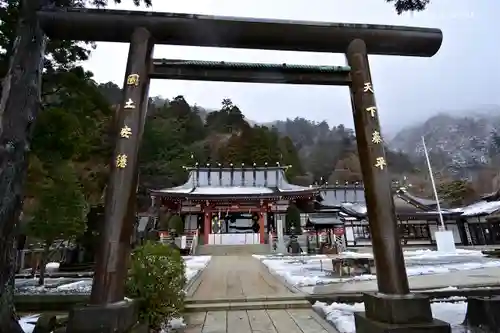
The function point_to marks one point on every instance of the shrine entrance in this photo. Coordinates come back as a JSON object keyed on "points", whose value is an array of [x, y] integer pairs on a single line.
{"points": [[235, 229], [238, 203]]}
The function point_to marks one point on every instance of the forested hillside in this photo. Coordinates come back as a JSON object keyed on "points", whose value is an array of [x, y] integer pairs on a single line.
{"points": [[71, 150], [465, 143], [330, 152], [177, 135]]}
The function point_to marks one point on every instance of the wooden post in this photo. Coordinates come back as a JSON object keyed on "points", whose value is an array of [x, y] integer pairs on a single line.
{"points": [[207, 227], [387, 251], [111, 263], [130, 223], [261, 227]]}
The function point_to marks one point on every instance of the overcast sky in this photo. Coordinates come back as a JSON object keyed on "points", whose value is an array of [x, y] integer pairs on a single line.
{"points": [[463, 75]]}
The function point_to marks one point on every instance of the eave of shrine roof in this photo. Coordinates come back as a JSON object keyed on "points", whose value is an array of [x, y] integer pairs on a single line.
{"points": [[232, 190], [324, 218], [335, 196], [479, 208]]}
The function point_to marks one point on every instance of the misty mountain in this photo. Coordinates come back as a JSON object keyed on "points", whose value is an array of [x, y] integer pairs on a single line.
{"points": [[462, 139]]}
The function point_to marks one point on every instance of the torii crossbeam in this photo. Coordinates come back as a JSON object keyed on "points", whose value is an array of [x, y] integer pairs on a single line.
{"points": [[250, 72]]}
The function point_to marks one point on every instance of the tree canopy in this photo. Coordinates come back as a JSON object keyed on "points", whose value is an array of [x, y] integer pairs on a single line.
{"points": [[178, 135], [292, 220], [409, 5], [68, 95]]}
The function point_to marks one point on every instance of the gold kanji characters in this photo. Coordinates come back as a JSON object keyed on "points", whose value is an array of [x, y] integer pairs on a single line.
{"points": [[121, 161], [376, 137], [380, 163], [125, 132], [129, 104], [368, 87], [133, 80], [372, 110]]}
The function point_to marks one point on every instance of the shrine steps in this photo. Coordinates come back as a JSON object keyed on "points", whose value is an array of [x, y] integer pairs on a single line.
{"points": [[225, 250], [248, 305]]}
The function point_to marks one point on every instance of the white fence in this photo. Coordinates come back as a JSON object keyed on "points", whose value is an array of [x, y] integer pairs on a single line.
{"points": [[234, 239]]}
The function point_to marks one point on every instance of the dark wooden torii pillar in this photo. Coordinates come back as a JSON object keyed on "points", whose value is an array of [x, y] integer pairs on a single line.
{"points": [[110, 273], [108, 309]]}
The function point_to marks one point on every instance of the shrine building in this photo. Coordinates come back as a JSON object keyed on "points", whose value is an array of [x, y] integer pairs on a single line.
{"points": [[233, 205]]}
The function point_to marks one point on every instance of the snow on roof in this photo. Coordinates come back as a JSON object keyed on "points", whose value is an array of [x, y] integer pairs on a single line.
{"points": [[357, 207], [287, 187], [187, 187], [479, 208], [324, 219], [422, 201], [178, 189], [231, 190], [252, 181]]}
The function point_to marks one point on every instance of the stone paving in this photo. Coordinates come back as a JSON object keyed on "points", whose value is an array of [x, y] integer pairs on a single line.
{"points": [[257, 321], [236, 277], [229, 279]]}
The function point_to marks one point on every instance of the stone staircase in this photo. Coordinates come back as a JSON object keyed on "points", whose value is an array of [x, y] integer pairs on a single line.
{"points": [[293, 301], [235, 250]]}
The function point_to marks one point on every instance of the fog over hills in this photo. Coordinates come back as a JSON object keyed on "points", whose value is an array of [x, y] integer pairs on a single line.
{"points": [[463, 138]]}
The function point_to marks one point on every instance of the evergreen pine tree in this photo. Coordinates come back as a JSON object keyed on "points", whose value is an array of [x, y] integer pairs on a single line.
{"points": [[292, 220]]}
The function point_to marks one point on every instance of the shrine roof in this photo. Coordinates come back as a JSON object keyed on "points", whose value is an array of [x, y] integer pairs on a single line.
{"points": [[350, 199], [236, 182], [336, 195], [479, 208]]}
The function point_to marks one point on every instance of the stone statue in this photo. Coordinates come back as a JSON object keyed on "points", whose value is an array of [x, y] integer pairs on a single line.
{"points": [[293, 245], [171, 239]]}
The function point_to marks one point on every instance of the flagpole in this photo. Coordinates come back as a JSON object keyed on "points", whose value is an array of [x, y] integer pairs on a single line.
{"points": [[433, 185]]}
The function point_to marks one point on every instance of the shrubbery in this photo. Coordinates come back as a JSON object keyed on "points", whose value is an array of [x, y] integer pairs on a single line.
{"points": [[176, 223], [157, 276]]}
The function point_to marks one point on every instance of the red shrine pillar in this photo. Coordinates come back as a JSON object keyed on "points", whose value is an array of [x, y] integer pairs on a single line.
{"points": [[261, 227], [207, 227]]}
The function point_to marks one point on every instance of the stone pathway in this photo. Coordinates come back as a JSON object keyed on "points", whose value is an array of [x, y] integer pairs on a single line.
{"points": [[257, 321], [230, 277], [248, 297]]}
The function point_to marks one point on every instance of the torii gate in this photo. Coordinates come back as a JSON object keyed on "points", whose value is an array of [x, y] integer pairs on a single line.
{"points": [[393, 303]]}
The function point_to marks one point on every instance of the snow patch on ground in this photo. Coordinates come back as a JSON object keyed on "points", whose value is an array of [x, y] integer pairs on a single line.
{"points": [[342, 315], [311, 270], [52, 267], [28, 324], [173, 325], [194, 264]]}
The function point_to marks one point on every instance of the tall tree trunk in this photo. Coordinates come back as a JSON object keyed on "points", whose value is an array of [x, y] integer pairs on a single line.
{"points": [[19, 107]]}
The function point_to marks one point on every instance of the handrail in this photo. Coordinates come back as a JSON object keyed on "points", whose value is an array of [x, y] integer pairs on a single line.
{"points": [[194, 243], [271, 242]]}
